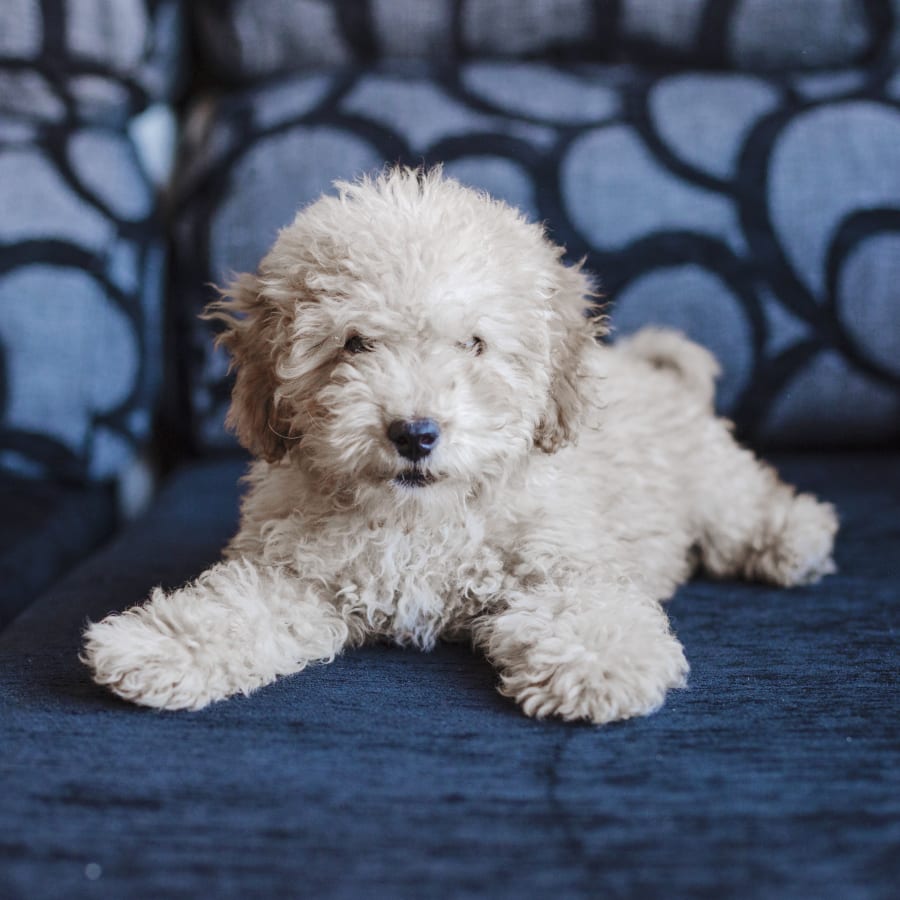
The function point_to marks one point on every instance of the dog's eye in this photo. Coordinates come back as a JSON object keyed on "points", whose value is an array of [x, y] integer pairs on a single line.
{"points": [[357, 344], [474, 345]]}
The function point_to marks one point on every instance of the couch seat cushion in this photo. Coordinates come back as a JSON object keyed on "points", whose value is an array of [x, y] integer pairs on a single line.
{"points": [[396, 773], [46, 528]]}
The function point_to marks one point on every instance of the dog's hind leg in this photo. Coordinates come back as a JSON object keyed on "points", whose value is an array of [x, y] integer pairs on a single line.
{"points": [[233, 629], [751, 524]]}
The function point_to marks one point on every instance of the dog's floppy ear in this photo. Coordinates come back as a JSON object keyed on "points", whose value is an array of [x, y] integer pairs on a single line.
{"points": [[253, 324], [572, 334]]}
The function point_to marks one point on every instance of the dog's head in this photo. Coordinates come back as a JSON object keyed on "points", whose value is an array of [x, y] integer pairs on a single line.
{"points": [[405, 334]]}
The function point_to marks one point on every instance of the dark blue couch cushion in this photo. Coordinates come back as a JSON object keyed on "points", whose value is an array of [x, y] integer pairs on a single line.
{"points": [[46, 528], [395, 773]]}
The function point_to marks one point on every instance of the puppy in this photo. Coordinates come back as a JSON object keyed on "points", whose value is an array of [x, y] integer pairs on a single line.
{"points": [[443, 449]]}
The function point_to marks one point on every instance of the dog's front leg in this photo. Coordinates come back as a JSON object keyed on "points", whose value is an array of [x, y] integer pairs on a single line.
{"points": [[236, 627], [583, 650]]}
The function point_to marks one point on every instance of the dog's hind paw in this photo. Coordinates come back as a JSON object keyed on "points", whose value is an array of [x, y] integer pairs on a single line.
{"points": [[801, 554]]}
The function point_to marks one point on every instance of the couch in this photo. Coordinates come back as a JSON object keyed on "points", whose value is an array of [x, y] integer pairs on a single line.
{"points": [[731, 169]]}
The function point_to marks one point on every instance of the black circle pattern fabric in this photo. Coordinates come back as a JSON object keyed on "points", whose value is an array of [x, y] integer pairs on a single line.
{"points": [[243, 40], [98, 60], [84, 130], [81, 268], [758, 214]]}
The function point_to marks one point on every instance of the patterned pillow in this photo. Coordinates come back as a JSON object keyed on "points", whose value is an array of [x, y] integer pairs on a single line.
{"points": [[760, 215], [84, 133], [247, 39], [92, 59], [80, 299]]}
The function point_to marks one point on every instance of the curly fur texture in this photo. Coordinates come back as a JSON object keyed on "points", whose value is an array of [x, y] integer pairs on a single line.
{"points": [[573, 487]]}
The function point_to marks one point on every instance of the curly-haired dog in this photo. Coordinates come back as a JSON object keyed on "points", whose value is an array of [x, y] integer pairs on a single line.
{"points": [[444, 449]]}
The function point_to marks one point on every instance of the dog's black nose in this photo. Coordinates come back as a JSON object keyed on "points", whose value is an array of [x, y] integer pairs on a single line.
{"points": [[414, 438]]}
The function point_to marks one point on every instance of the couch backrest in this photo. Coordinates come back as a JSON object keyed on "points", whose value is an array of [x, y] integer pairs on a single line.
{"points": [[84, 136], [755, 210], [100, 60], [244, 40]]}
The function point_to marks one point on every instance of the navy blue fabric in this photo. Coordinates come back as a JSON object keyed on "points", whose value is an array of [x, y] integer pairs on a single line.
{"points": [[45, 528], [393, 773]]}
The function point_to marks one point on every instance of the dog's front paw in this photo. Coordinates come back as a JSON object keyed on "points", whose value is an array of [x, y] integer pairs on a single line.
{"points": [[141, 662], [613, 673]]}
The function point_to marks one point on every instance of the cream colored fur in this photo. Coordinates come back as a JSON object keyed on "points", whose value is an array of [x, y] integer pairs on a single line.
{"points": [[575, 485]]}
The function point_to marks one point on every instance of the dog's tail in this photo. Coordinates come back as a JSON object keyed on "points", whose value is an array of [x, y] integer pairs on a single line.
{"points": [[671, 351]]}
